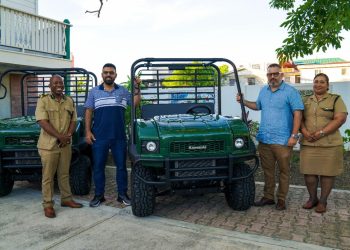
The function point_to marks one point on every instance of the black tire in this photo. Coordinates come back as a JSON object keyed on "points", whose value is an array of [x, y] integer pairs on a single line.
{"points": [[143, 196], [80, 176], [6, 183], [240, 194]]}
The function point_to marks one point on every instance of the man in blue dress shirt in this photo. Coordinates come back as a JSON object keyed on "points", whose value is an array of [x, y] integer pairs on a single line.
{"points": [[281, 113]]}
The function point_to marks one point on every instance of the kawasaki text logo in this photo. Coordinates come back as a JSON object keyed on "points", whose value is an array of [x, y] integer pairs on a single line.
{"points": [[27, 141], [197, 147]]}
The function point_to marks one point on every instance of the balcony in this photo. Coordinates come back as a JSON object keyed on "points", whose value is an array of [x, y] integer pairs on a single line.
{"points": [[22, 32]]}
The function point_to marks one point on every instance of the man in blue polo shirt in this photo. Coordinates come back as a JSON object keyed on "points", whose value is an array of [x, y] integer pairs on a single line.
{"points": [[281, 112], [105, 110]]}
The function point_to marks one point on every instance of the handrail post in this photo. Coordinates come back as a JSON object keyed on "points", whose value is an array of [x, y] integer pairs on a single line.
{"points": [[67, 32]]}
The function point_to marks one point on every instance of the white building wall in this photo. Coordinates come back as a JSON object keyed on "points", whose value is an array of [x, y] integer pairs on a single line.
{"points": [[30, 6], [335, 72], [5, 110]]}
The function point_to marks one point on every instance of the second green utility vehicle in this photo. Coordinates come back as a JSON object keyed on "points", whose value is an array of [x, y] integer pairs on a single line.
{"points": [[19, 159]]}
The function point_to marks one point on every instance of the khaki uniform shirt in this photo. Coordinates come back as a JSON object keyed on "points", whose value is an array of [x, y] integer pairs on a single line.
{"points": [[59, 114], [317, 114]]}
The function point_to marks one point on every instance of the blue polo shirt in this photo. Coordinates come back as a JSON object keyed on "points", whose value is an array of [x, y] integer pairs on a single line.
{"points": [[109, 111], [277, 109]]}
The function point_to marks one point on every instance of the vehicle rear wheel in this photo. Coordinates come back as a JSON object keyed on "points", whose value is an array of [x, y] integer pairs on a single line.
{"points": [[240, 194], [143, 196], [6, 183], [80, 176]]}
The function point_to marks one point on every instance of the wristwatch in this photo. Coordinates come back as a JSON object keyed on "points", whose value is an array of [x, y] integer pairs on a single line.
{"points": [[322, 134], [295, 136]]}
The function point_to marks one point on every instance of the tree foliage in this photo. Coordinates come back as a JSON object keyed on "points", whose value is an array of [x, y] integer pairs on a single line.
{"points": [[194, 76], [314, 25]]}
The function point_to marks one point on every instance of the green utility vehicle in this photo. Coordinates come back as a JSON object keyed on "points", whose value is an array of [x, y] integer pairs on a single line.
{"points": [[180, 143], [19, 159]]}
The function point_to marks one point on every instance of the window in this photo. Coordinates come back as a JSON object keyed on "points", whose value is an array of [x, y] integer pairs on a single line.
{"points": [[255, 66], [343, 71], [251, 81], [317, 71]]}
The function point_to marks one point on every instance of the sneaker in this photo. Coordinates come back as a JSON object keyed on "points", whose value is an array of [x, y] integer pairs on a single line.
{"points": [[96, 201], [124, 199]]}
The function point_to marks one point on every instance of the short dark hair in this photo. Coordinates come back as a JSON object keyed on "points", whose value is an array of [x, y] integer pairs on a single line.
{"points": [[274, 65], [55, 76], [109, 65], [324, 75]]}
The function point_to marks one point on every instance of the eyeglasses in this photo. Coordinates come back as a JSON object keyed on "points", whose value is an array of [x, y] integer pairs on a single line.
{"points": [[275, 74]]}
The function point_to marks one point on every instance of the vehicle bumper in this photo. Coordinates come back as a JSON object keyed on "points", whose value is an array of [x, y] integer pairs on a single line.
{"points": [[177, 169]]}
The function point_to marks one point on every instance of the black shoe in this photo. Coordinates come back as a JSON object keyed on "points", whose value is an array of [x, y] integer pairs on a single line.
{"points": [[96, 201], [124, 199]]}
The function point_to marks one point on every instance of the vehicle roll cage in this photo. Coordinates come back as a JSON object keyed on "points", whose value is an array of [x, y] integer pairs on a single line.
{"points": [[182, 63], [63, 72]]}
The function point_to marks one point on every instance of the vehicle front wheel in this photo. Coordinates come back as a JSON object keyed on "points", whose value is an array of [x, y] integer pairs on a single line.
{"points": [[240, 194], [143, 196], [6, 183], [80, 176]]}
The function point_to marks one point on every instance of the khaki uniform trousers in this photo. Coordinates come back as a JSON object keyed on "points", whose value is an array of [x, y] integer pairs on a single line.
{"points": [[55, 160], [270, 154]]}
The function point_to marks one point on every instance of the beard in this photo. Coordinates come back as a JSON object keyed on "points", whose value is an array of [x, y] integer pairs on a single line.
{"points": [[274, 84], [108, 81]]}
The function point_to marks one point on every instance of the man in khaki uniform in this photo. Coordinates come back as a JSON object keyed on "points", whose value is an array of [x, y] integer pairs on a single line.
{"points": [[57, 118]]}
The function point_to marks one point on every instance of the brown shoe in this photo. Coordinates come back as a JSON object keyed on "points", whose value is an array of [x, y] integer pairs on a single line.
{"points": [[281, 205], [310, 204], [264, 201], [321, 207], [49, 212], [71, 204]]}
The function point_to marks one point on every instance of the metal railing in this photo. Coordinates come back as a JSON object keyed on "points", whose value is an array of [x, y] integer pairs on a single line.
{"points": [[29, 33]]}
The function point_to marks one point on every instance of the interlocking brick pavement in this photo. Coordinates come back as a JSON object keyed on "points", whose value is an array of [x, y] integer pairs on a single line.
{"points": [[331, 229]]}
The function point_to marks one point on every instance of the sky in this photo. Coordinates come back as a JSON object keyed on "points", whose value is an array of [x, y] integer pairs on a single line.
{"points": [[240, 30]]}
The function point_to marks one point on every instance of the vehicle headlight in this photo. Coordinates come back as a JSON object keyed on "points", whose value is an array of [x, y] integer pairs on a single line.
{"points": [[239, 143], [149, 146]]}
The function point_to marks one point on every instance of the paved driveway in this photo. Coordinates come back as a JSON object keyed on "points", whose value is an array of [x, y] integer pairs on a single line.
{"points": [[331, 229], [23, 226]]}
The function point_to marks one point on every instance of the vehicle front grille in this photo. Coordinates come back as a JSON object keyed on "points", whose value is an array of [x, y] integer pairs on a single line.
{"points": [[20, 159], [14, 140], [30, 157], [197, 147], [188, 168]]}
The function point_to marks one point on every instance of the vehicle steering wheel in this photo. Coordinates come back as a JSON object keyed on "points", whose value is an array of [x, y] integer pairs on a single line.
{"points": [[192, 109]]}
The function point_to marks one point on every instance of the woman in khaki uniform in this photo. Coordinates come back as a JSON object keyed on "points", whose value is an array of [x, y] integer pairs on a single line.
{"points": [[321, 153]]}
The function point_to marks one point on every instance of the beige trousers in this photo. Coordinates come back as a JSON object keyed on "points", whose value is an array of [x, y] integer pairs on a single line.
{"points": [[270, 156], [56, 160]]}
